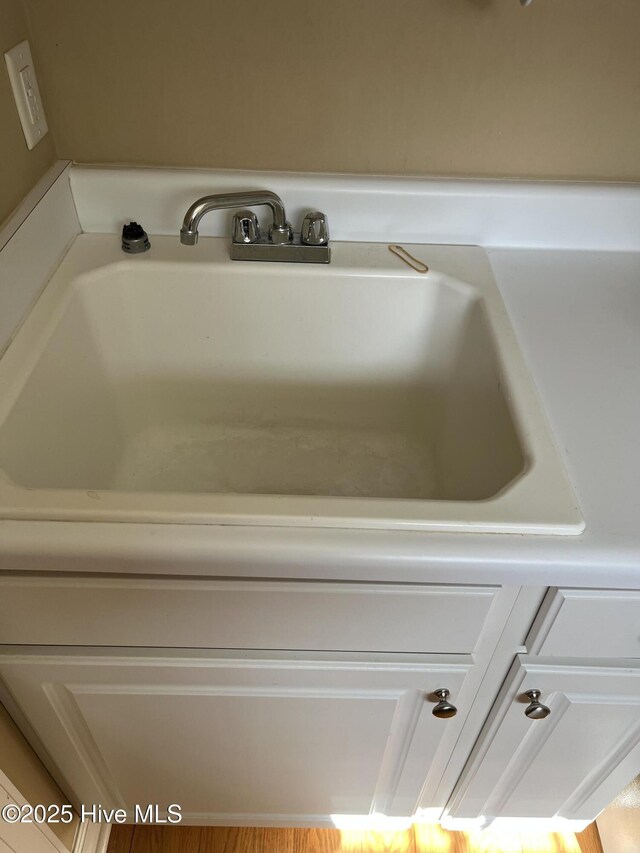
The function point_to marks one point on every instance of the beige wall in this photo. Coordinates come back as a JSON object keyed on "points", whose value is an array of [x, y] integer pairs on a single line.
{"points": [[442, 87], [19, 167], [19, 762]]}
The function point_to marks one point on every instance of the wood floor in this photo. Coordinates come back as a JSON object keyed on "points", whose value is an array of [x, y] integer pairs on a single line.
{"points": [[419, 839]]}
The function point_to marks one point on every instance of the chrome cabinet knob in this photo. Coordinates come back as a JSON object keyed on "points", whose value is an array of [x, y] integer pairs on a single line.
{"points": [[246, 228], [315, 229], [536, 710], [444, 709]]}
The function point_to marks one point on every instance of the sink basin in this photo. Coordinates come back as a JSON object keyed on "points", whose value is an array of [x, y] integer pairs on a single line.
{"points": [[181, 387]]}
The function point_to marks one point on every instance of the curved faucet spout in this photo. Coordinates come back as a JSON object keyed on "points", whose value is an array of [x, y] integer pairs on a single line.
{"points": [[281, 229]]}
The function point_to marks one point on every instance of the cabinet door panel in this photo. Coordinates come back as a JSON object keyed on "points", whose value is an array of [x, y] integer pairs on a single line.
{"points": [[569, 765], [251, 738]]}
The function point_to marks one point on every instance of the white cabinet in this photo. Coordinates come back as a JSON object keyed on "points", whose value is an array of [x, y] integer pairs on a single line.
{"points": [[275, 702], [253, 738], [569, 765], [253, 701]]}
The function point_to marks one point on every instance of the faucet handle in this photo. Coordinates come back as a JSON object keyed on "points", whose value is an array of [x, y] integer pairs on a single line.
{"points": [[246, 228], [315, 229]]}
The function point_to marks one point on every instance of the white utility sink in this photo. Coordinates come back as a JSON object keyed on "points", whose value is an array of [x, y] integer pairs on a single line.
{"points": [[179, 386]]}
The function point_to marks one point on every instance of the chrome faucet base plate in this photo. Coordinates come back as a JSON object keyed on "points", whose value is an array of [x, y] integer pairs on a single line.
{"points": [[295, 252]]}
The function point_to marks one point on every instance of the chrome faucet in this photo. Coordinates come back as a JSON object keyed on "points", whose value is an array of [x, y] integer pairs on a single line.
{"points": [[311, 246]]}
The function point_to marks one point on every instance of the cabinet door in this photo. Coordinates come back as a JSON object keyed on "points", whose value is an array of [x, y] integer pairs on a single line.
{"points": [[252, 738], [569, 765]]}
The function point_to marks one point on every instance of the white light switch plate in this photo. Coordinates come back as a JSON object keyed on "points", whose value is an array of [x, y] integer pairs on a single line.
{"points": [[26, 93]]}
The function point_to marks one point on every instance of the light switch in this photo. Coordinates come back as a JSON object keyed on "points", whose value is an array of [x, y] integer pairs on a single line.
{"points": [[26, 93], [26, 78]]}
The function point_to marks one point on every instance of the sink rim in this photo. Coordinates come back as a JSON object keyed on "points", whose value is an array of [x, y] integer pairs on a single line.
{"points": [[539, 500]]}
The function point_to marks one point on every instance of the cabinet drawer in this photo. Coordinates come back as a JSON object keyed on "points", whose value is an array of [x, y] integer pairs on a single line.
{"points": [[243, 614], [589, 623]]}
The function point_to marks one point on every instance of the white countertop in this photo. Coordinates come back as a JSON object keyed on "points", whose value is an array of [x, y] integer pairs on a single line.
{"points": [[577, 317]]}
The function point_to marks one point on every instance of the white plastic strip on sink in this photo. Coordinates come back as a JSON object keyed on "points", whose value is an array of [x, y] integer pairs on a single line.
{"points": [[32, 243], [527, 214]]}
